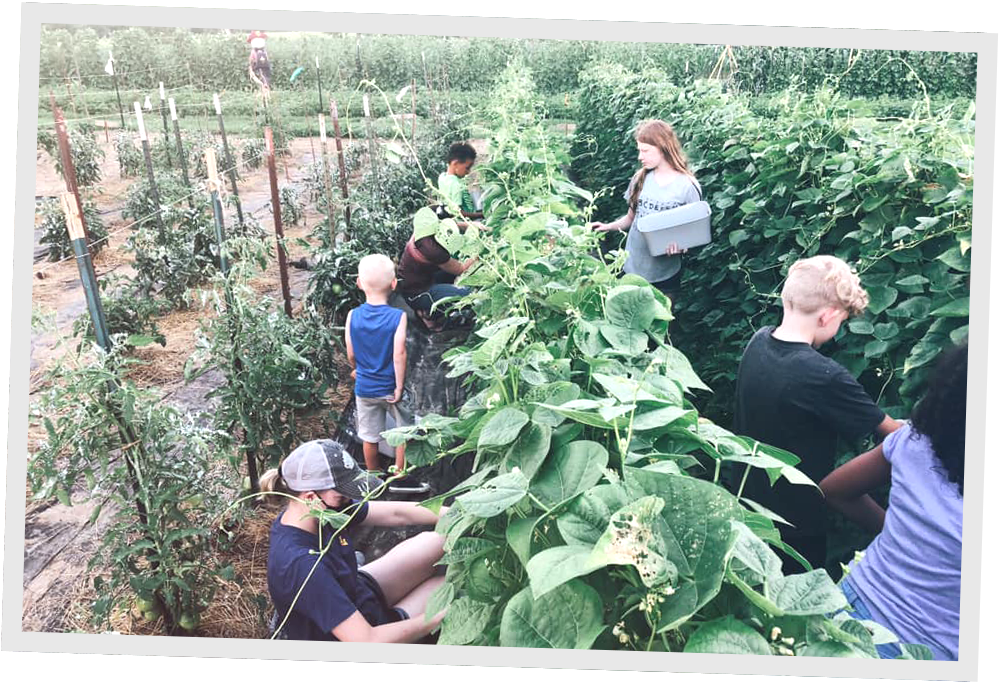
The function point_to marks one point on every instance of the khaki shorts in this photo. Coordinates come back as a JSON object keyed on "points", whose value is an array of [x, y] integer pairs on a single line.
{"points": [[371, 417]]}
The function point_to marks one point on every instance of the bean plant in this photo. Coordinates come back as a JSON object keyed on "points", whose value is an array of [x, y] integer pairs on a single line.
{"points": [[595, 517]]}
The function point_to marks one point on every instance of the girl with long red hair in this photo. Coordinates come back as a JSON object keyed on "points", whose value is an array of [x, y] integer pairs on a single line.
{"points": [[664, 181]]}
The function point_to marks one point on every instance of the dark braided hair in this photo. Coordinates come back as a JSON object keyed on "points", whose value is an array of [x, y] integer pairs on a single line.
{"points": [[940, 415]]}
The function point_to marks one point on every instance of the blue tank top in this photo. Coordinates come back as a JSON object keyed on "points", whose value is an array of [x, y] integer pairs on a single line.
{"points": [[372, 332]]}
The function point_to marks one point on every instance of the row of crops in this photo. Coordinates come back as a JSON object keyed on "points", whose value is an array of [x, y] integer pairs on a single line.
{"points": [[218, 60], [596, 516]]}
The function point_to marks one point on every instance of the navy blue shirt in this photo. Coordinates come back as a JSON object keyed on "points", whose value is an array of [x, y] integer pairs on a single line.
{"points": [[373, 329], [335, 590]]}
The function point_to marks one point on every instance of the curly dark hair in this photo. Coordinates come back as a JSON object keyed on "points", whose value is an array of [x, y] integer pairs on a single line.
{"points": [[940, 415], [461, 151]]}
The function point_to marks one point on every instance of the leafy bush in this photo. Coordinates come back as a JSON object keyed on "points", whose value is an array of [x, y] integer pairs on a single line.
{"points": [[274, 366], [292, 210], [253, 153], [184, 254], [130, 161], [126, 313], [893, 198], [108, 439], [55, 232], [86, 153]]}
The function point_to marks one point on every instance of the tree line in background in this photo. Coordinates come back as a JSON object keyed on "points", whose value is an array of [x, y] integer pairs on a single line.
{"points": [[218, 60]]}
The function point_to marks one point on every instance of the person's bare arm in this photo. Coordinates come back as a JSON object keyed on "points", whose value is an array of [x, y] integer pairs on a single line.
{"points": [[621, 224], [399, 513], [846, 489], [456, 267], [347, 342], [356, 628], [399, 358], [888, 426]]}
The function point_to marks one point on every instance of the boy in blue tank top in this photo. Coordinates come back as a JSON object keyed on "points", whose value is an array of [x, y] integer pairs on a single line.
{"points": [[376, 349]]}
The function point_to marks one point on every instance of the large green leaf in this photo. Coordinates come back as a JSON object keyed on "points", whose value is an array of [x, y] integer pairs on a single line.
{"points": [[633, 537], [572, 469], [881, 298], [629, 306], [495, 496], [519, 534], [466, 549], [555, 393], [555, 566], [660, 419], [465, 620], [698, 535], [624, 340], [679, 368], [529, 450], [587, 517], [810, 593], [425, 222], [503, 428], [958, 308], [727, 635], [569, 616], [752, 559]]}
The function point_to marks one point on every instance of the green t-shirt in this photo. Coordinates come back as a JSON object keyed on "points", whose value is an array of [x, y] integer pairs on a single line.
{"points": [[456, 191]]}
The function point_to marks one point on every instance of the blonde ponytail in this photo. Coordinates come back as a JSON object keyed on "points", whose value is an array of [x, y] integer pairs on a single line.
{"points": [[271, 482]]}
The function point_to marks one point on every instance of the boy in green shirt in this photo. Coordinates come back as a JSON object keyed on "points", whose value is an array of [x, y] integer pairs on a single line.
{"points": [[451, 183]]}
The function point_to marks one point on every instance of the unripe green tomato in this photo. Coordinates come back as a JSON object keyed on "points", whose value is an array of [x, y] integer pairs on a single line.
{"points": [[188, 622]]}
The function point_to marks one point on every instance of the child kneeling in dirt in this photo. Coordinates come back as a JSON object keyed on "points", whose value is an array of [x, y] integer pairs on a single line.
{"points": [[313, 577], [376, 348]]}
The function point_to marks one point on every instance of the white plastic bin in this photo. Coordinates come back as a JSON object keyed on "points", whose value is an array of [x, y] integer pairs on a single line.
{"points": [[689, 225]]}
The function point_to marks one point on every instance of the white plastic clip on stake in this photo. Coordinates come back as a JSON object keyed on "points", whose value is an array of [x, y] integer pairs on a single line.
{"points": [[368, 113], [173, 109], [163, 95], [148, 105], [218, 105], [138, 118]]}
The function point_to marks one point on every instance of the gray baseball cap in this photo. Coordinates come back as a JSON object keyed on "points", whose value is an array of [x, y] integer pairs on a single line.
{"points": [[325, 464]]}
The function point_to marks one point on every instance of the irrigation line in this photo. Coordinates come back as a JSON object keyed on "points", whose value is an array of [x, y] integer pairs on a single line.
{"points": [[199, 189]]}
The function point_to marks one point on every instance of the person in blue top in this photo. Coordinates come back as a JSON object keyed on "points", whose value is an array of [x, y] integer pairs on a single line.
{"points": [[662, 182], [317, 588], [376, 349], [909, 578]]}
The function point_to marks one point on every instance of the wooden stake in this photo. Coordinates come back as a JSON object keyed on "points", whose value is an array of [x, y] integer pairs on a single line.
{"points": [[66, 156], [342, 166], [279, 232], [327, 183], [230, 164], [166, 128], [370, 133], [153, 190], [107, 138], [180, 150]]}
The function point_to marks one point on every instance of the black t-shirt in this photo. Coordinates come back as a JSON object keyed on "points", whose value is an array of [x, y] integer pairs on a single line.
{"points": [[335, 589], [792, 397]]}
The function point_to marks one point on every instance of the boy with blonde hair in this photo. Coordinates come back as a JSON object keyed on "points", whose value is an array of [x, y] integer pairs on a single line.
{"points": [[376, 349], [792, 397]]}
